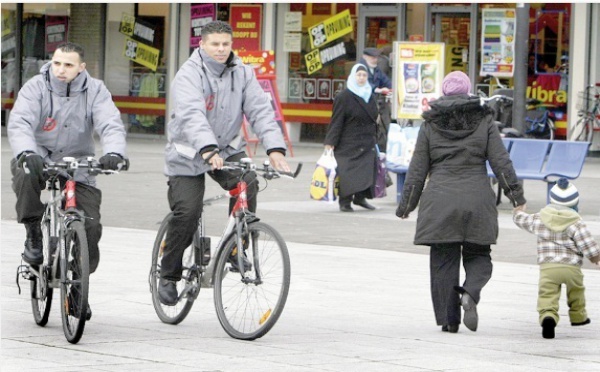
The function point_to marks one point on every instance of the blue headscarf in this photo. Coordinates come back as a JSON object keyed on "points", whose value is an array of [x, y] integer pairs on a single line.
{"points": [[364, 91]]}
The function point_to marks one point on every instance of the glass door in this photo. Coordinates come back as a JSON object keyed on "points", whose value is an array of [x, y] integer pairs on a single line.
{"points": [[379, 26]]}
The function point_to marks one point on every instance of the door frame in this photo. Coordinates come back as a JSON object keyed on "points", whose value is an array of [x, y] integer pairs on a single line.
{"points": [[385, 10], [434, 35]]}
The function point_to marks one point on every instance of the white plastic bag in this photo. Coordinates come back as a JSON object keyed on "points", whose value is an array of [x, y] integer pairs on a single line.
{"points": [[324, 185]]}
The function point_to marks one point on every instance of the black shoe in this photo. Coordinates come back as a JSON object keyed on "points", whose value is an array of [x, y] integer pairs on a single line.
{"points": [[548, 325], [452, 328], [33, 253], [233, 260], [587, 321], [346, 208], [470, 319], [167, 292], [76, 312], [363, 203]]}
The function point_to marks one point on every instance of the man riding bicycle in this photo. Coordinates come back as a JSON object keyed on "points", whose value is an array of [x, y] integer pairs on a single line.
{"points": [[212, 92], [55, 116]]}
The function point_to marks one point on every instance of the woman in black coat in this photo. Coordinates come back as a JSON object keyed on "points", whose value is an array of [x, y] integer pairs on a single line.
{"points": [[457, 212], [351, 134]]}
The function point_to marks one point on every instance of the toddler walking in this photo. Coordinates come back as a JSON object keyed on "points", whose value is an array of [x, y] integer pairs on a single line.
{"points": [[562, 241]]}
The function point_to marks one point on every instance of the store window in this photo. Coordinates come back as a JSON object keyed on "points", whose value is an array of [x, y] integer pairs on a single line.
{"points": [[136, 64]]}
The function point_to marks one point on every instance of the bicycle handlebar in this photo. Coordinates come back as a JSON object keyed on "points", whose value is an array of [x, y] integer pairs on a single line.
{"points": [[70, 164], [246, 164]]}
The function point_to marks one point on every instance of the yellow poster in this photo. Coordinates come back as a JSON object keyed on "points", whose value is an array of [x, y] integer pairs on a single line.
{"points": [[454, 59], [418, 75], [330, 29], [127, 24], [140, 53], [313, 61]]}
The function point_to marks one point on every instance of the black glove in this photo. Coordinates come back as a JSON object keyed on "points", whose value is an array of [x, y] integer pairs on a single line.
{"points": [[112, 161], [32, 164], [400, 212]]}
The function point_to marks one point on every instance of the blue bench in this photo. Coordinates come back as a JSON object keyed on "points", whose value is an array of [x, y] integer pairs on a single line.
{"points": [[533, 159], [545, 160]]}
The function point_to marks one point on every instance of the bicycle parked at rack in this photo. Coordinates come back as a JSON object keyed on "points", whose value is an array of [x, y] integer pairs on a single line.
{"points": [[248, 301], [588, 106], [65, 250]]}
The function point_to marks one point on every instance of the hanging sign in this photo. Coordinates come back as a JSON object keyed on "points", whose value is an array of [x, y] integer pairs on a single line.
{"points": [[418, 75], [330, 29], [498, 42], [246, 22], [56, 31], [200, 15], [140, 53]]}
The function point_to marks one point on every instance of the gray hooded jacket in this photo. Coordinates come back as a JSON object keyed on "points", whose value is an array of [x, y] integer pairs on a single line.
{"points": [[56, 119], [208, 102]]}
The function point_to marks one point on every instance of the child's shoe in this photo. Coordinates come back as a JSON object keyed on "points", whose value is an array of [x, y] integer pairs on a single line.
{"points": [[548, 325], [587, 321]]}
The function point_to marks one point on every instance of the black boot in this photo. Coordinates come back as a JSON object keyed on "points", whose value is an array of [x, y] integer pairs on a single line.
{"points": [[362, 201], [33, 253], [345, 204]]}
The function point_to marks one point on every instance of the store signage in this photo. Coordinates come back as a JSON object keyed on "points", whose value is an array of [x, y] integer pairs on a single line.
{"points": [[498, 42], [137, 29], [127, 24], [200, 15], [140, 53], [313, 61], [418, 74], [246, 22], [330, 29], [263, 61], [56, 32]]}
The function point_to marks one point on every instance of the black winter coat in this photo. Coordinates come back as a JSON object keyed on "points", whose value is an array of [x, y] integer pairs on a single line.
{"points": [[352, 132], [458, 203]]}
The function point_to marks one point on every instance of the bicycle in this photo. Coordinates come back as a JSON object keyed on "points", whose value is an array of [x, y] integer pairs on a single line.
{"points": [[64, 233], [588, 106], [249, 301]]}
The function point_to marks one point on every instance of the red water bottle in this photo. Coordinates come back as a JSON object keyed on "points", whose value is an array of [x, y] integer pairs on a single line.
{"points": [[70, 202]]}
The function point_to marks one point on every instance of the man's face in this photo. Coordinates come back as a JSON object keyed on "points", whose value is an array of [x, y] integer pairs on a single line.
{"points": [[66, 66], [371, 61], [218, 46]]}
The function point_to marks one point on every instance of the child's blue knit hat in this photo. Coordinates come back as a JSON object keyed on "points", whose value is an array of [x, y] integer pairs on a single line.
{"points": [[564, 193]]}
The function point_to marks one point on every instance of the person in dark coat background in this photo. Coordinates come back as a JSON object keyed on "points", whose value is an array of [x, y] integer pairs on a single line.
{"points": [[351, 134], [457, 212]]}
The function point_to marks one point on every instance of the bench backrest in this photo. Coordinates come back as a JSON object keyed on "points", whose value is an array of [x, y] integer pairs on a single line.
{"points": [[566, 159], [528, 156]]}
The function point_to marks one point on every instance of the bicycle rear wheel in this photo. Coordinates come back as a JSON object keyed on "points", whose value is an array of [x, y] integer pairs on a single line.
{"points": [[248, 305], [74, 281], [171, 314], [41, 293], [583, 130]]}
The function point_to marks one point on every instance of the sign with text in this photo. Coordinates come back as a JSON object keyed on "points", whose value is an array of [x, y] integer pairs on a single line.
{"points": [[418, 74], [263, 61], [498, 42], [56, 31], [137, 29], [330, 29], [200, 15], [246, 22], [141, 53]]}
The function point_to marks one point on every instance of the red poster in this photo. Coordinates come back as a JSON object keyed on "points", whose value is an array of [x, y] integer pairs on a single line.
{"points": [[200, 14], [298, 7], [340, 7], [246, 21], [321, 8], [56, 31], [263, 61]]}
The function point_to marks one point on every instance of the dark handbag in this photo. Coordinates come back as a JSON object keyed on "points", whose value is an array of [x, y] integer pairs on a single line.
{"points": [[380, 175]]}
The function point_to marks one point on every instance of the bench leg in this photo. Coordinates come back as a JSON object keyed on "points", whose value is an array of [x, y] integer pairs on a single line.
{"points": [[400, 178]]}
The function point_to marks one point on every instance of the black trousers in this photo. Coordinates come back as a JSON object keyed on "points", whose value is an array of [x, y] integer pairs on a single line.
{"points": [[445, 275], [185, 195], [29, 206]]}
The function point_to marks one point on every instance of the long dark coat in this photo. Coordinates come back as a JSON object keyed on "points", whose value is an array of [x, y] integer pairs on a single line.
{"points": [[352, 132], [458, 203]]}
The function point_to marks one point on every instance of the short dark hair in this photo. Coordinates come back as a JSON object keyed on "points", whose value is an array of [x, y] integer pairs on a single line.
{"points": [[69, 47], [216, 27]]}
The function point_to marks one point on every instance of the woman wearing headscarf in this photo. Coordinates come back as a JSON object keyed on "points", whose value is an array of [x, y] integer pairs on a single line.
{"points": [[351, 134], [457, 212]]}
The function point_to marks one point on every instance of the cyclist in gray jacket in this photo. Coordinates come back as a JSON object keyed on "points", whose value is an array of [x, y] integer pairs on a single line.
{"points": [[210, 95], [55, 115]]}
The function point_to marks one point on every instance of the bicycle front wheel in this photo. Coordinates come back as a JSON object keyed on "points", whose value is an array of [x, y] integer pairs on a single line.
{"points": [[249, 304], [582, 131], [74, 281], [171, 314], [41, 293]]}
